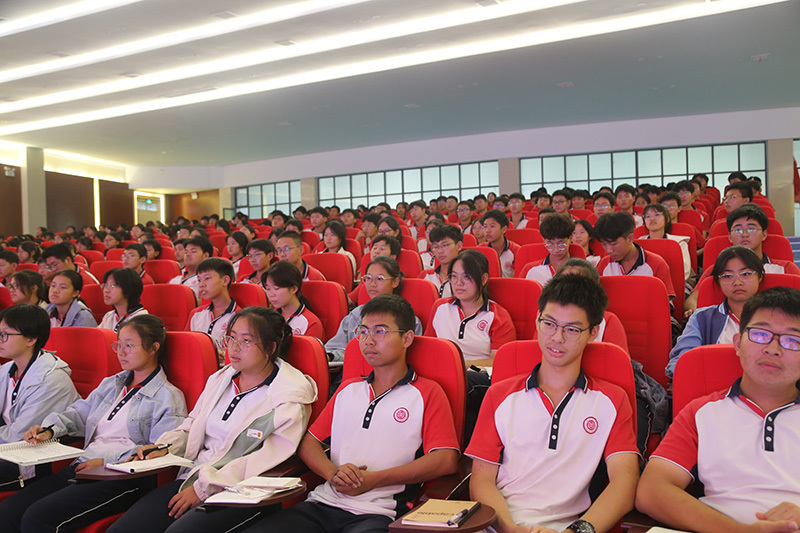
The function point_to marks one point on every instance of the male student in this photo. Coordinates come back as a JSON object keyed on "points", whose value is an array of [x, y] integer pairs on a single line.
{"points": [[625, 257], [481, 205], [195, 250], [687, 192], [318, 217], [446, 243], [495, 224], [290, 248], [736, 195], [464, 211], [624, 196], [59, 257], [134, 257], [418, 211], [369, 225], [516, 203], [539, 438], [561, 201], [387, 432], [556, 231], [672, 202], [8, 266], [214, 278], [740, 443], [153, 248], [603, 203]]}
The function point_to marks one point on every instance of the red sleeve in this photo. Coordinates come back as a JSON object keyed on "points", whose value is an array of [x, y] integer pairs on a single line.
{"points": [[321, 428], [429, 329], [315, 328], [485, 443], [615, 332], [502, 330], [353, 295], [425, 273], [191, 316], [622, 437], [438, 428]]}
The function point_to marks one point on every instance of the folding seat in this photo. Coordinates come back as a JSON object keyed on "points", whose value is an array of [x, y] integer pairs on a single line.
{"points": [[88, 353], [92, 255], [470, 240], [352, 233], [328, 302], [92, 296], [162, 270], [99, 268], [524, 236], [519, 297], [690, 216], [642, 305], [167, 252], [408, 243], [310, 237], [171, 303], [98, 246], [420, 293], [28, 266], [670, 251], [529, 253], [248, 295], [703, 370], [708, 292], [307, 354], [335, 267], [580, 214], [491, 255], [191, 359], [245, 269], [775, 246], [5, 298], [355, 248], [219, 241], [114, 254]]}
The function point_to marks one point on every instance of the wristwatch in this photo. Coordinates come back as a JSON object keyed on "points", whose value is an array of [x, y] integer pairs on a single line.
{"points": [[581, 526]]}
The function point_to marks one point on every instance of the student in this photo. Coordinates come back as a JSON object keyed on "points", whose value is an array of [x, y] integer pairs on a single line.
{"points": [[389, 225], [624, 199], [478, 325], [248, 232], [658, 222], [290, 248], [625, 257], [214, 277], [260, 253], [153, 249], [401, 208], [424, 244], [236, 244], [28, 252], [134, 257], [258, 402], [318, 217], [283, 283], [385, 245], [122, 290], [543, 200], [557, 233], [59, 257], [294, 224], [334, 239], [737, 273], [740, 443], [446, 244], [196, 250], [137, 231], [516, 203], [178, 246], [300, 213], [495, 224], [418, 212], [383, 277], [736, 195], [111, 240], [33, 382], [112, 427], [603, 203], [641, 200], [8, 266], [561, 201], [27, 287], [464, 212], [685, 190], [375, 457], [369, 225], [579, 198], [278, 219], [500, 203], [479, 231], [481, 205], [672, 202], [535, 432], [66, 308], [583, 236]]}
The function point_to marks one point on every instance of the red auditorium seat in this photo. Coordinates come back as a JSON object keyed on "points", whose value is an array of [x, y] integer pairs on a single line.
{"points": [[92, 296], [99, 268], [529, 253], [247, 295], [670, 252], [162, 270], [329, 302], [88, 353], [520, 298], [171, 303], [701, 371], [420, 293], [335, 267]]}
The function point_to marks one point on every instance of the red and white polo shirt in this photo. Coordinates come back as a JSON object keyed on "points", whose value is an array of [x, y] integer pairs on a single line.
{"points": [[442, 284], [647, 264], [507, 258], [541, 271], [202, 320], [304, 322], [477, 335]]}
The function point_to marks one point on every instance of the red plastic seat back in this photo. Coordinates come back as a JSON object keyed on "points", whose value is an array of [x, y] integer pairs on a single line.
{"points": [[437, 359], [5, 298], [408, 243], [220, 242], [335, 267], [92, 296], [775, 246], [310, 237], [307, 354], [28, 266], [329, 302], [410, 263], [581, 214], [88, 353], [469, 240], [171, 303], [524, 236], [420, 293], [248, 295], [536, 252], [99, 268], [701, 371], [709, 293], [115, 254], [92, 255], [642, 305], [690, 216], [162, 270], [670, 252], [520, 298], [494, 259], [168, 252], [191, 359]]}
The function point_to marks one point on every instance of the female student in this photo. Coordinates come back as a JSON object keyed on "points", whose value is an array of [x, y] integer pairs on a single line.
{"points": [[33, 382], [236, 245], [737, 273], [27, 287], [249, 418], [122, 290], [583, 235], [28, 252], [283, 282], [260, 253], [333, 238], [658, 224], [383, 277], [478, 232], [478, 325], [124, 412], [65, 308]]}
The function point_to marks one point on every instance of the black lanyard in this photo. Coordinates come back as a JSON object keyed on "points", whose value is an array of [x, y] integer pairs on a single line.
{"points": [[132, 392], [239, 396], [13, 370]]}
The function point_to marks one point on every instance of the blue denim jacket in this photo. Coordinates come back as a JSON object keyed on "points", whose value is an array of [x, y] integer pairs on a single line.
{"points": [[158, 407]]}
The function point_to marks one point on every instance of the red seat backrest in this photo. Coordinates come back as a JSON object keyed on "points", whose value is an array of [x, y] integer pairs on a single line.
{"points": [[775, 246], [92, 296], [329, 302], [219, 241], [646, 318], [701, 371], [28, 266], [335, 267], [524, 236], [248, 294], [469, 240], [491, 255], [5, 298], [245, 269], [529, 253], [690, 216], [520, 298], [670, 252], [352, 233], [307, 354], [191, 359], [99, 268], [115, 254], [408, 243], [310, 237], [355, 248], [409, 261], [162, 270], [168, 252], [88, 353], [171, 303], [420, 293], [709, 293], [581, 214], [437, 359], [98, 246], [92, 255]]}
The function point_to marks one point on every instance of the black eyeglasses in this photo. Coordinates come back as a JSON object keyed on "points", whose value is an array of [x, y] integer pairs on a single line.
{"points": [[765, 336]]}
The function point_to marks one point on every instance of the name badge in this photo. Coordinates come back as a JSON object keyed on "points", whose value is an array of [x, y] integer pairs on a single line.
{"points": [[254, 433]]}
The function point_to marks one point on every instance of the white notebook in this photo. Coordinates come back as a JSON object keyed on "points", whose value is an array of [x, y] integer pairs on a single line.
{"points": [[150, 464], [27, 453], [253, 490]]}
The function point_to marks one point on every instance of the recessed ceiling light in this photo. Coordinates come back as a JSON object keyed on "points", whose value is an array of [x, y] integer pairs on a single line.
{"points": [[58, 53], [285, 42], [565, 84], [224, 15]]}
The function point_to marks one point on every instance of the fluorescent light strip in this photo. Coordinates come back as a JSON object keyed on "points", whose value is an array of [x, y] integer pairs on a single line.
{"points": [[270, 55], [269, 16], [60, 14], [535, 38], [79, 157]]}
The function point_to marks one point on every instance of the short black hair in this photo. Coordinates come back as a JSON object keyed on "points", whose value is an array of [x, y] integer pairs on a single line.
{"points": [[612, 226], [30, 320], [265, 245], [9, 256], [683, 185], [318, 210], [418, 203], [338, 229], [60, 251], [588, 269], [752, 212], [394, 244], [31, 280], [375, 218], [301, 209], [625, 188], [578, 290], [517, 196], [201, 242], [296, 238], [743, 187], [557, 227], [736, 175], [664, 211], [392, 222], [563, 192], [221, 266], [469, 203], [783, 299], [140, 249], [498, 216], [480, 197], [743, 253], [154, 244], [607, 195], [129, 281], [394, 305], [701, 176], [440, 233], [501, 199]]}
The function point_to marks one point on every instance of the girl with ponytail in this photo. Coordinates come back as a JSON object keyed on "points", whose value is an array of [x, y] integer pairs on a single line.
{"points": [[283, 282]]}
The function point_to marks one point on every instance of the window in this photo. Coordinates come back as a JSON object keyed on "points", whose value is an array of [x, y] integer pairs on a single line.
{"points": [[657, 166], [258, 201], [464, 180]]}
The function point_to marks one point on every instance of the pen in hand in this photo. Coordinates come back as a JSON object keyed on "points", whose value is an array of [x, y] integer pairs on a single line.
{"points": [[162, 447], [43, 430]]}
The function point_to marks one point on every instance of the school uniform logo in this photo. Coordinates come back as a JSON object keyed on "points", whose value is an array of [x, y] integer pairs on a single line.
{"points": [[590, 425], [400, 414], [482, 325]]}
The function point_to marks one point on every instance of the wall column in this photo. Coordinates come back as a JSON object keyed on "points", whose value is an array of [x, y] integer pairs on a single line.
{"points": [[508, 170], [308, 192], [34, 197], [780, 188], [225, 199]]}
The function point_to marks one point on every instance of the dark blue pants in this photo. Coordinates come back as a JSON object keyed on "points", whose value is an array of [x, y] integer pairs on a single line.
{"points": [[311, 517]]}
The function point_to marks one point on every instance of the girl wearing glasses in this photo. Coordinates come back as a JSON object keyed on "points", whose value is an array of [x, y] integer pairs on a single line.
{"points": [[236, 245], [122, 290], [383, 277], [249, 418], [27, 287], [737, 274], [260, 253], [659, 225], [283, 282], [124, 412], [66, 308]]}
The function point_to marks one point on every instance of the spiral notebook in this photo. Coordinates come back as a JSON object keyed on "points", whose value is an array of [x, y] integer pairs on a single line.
{"points": [[27, 453]]}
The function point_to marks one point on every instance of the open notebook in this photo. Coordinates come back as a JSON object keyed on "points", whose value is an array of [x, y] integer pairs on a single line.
{"points": [[253, 490], [150, 464], [26, 453]]}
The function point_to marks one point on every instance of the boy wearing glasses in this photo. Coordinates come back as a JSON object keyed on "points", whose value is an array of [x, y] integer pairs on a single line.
{"points": [[556, 231], [540, 438], [387, 432], [446, 243], [741, 443], [59, 257], [290, 248], [134, 257]]}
